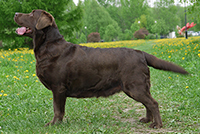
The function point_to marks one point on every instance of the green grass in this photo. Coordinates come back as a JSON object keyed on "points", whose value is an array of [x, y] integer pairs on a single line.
{"points": [[26, 105]]}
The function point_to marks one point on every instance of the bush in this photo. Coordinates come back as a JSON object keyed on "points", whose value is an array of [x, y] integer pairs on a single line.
{"points": [[93, 37], [151, 36], [141, 34]]}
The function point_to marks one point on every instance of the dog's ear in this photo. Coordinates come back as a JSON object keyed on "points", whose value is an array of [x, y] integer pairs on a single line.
{"points": [[45, 20]]}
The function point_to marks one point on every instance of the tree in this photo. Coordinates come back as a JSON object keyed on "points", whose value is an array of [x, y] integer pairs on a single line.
{"points": [[135, 27], [160, 27], [194, 8], [130, 10], [96, 18], [166, 11], [67, 19], [111, 32]]}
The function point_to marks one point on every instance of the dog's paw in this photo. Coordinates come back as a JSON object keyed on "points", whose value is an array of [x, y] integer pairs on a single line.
{"points": [[155, 125], [48, 124], [145, 120]]}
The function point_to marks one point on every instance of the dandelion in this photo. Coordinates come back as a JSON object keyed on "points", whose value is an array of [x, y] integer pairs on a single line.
{"points": [[183, 58], [36, 81], [169, 77], [2, 91], [187, 87], [27, 76], [25, 85], [169, 56], [34, 75], [199, 55], [7, 76], [5, 95], [50, 98], [0, 95], [18, 94], [26, 71]]}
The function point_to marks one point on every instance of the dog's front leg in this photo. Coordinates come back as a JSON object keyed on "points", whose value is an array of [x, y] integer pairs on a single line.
{"points": [[59, 100]]}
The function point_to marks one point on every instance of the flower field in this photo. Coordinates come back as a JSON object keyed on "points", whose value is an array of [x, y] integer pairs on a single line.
{"points": [[26, 105]]}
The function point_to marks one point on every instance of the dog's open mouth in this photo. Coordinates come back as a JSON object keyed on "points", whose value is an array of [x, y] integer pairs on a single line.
{"points": [[23, 30]]}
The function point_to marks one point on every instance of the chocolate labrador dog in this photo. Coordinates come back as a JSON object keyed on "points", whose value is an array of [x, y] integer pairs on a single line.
{"points": [[71, 70]]}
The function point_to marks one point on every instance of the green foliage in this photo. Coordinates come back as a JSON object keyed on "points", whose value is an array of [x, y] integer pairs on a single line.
{"points": [[83, 38], [130, 10], [112, 32], [135, 27], [96, 17], [160, 27], [67, 18], [126, 35], [150, 36]]}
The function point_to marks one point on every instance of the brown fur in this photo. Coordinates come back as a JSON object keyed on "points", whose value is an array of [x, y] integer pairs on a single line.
{"points": [[70, 70]]}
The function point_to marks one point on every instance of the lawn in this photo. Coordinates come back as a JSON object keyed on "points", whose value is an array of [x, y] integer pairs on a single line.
{"points": [[26, 105]]}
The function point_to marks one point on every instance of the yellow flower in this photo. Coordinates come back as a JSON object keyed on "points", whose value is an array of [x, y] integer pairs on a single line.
{"points": [[2, 91], [183, 58], [169, 56], [50, 98], [18, 94], [25, 85], [169, 77], [36, 81], [199, 55], [7, 76], [5, 95], [187, 87], [0, 95], [34, 75], [25, 71], [27, 76]]}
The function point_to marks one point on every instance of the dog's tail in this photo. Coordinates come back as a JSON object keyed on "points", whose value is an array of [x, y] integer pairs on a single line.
{"points": [[163, 65]]}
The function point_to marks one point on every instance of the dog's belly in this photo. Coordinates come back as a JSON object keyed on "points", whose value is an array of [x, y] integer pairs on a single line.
{"points": [[101, 89], [96, 93]]}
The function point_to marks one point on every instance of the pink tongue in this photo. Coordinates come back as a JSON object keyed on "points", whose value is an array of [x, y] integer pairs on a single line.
{"points": [[21, 30]]}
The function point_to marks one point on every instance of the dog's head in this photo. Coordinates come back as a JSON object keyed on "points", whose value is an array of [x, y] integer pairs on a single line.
{"points": [[36, 20]]}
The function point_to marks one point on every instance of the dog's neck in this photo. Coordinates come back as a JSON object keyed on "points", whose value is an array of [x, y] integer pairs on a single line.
{"points": [[44, 36], [51, 34]]}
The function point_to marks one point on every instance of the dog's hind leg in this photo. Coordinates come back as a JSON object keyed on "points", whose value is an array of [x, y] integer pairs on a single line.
{"points": [[140, 91], [149, 116], [59, 100]]}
